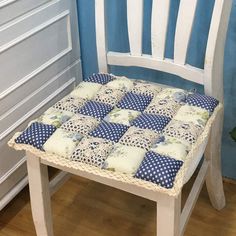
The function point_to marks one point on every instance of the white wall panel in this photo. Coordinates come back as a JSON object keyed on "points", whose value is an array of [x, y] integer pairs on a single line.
{"points": [[40, 62]]}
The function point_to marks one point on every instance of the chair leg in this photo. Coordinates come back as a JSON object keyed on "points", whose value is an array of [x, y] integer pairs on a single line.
{"points": [[168, 216], [39, 196], [214, 180]]}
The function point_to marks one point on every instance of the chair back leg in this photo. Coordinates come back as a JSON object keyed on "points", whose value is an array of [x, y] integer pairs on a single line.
{"points": [[213, 155]]}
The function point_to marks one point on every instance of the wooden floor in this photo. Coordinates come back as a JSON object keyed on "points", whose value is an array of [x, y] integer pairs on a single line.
{"points": [[86, 208]]}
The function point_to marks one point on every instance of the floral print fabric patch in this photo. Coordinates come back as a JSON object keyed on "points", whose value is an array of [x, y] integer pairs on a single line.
{"points": [[81, 124], [122, 116], [62, 143], [55, 117], [136, 137], [92, 151], [70, 104], [124, 159]]}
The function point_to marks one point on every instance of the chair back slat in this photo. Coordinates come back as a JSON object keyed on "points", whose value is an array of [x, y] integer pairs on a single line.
{"points": [[160, 18], [135, 26], [183, 30], [101, 39], [211, 76]]}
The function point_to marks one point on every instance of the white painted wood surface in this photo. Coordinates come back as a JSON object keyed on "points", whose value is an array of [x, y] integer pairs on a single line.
{"points": [[160, 19], [101, 37], [40, 198], [40, 63], [214, 59], [168, 216], [135, 26], [183, 30], [213, 155]]}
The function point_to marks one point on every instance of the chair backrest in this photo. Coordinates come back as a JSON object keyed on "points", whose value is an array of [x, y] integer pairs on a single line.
{"points": [[212, 74]]}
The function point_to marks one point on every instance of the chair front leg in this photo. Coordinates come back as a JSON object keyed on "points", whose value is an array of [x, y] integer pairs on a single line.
{"points": [[168, 216], [39, 195]]}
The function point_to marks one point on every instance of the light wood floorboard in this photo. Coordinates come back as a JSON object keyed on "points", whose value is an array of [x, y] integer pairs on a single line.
{"points": [[85, 208]]}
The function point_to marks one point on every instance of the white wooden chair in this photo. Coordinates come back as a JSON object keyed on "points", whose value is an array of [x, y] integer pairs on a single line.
{"points": [[170, 220]]}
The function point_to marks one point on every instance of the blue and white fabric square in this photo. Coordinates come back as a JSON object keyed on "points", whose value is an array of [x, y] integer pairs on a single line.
{"points": [[109, 95], [62, 143], [110, 131], [92, 151], [203, 101], [36, 135], [141, 138], [55, 117], [95, 109], [146, 88], [159, 169], [122, 116], [100, 78], [150, 121], [134, 101], [70, 104]]}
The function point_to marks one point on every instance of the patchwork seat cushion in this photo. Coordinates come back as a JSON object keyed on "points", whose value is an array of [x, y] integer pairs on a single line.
{"points": [[126, 129]]}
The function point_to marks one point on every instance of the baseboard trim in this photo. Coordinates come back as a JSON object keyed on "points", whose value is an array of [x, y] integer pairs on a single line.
{"points": [[13, 192]]}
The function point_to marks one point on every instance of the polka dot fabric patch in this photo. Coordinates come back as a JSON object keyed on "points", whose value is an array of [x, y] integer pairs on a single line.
{"points": [[110, 131], [36, 135], [100, 78], [153, 122], [134, 101], [159, 169], [92, 151], [203, 101], [95, 109]]}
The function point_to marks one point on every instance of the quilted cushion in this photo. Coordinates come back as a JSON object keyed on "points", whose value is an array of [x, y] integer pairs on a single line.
{"points": [[100, 78], [95, 109], [136, 137], [81, 124], [159, 169], [122, 116], [134, 101], [55, 117], [202, 101], [149, 121], [133, 127], [62, 143], [86, 90], [36, 134], [124, 159], [110, 131], [92, 151], [70, 104]]}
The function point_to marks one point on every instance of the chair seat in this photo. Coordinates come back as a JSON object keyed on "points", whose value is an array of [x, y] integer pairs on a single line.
{"points": [[131, 131]]}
